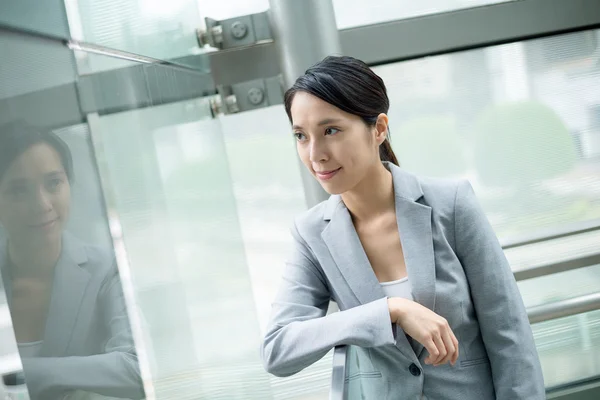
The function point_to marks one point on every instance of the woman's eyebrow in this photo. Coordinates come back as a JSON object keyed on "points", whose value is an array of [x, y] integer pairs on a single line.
{"points": [[326, 121], [55, 174]]}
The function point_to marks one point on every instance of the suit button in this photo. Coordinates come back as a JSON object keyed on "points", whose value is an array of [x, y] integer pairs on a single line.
{"points": [[414, 370]]}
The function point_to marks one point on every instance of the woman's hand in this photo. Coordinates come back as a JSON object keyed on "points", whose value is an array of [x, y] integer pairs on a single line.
{"points": [[427, 328]]}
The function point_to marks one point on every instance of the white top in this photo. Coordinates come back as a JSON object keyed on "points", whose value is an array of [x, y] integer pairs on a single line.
{"points": [[30, 349], [399, 288]]}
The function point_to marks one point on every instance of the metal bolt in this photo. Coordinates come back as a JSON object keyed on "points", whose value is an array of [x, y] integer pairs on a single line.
{"points": [[216, 106], [239, 30], [231, 104], [217, 34], [256, 96], [213, 37], [202, 36]]}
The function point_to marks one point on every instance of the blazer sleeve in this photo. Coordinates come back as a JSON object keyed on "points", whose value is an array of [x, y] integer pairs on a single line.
{"points": [[115, 373], [498, 304], [300, 333]]}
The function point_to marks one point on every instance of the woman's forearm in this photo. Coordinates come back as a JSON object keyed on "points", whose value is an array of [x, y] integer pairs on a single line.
{"points": [[113, 374]]}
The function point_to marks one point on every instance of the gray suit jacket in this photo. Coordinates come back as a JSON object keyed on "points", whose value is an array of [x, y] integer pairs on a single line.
{"points": [[88, 344], [457, 269]]}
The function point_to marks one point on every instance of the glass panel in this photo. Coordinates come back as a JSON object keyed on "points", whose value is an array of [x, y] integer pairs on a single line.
{"points": [[10, 362], [349, 13], [569, 348], [231, 8], [352, 13], [187, 209], [33, 65], [62, 307], [152, 28], [169, 187], [269, 195], [522, 121], [46, 17]]}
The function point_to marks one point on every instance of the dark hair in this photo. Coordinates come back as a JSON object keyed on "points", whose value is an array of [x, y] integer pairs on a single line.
{"points": [[350, 85], [16, 137]]}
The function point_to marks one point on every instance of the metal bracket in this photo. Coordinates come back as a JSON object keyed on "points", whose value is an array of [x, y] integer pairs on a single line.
{"points": [[246, 30], [249, 95]]}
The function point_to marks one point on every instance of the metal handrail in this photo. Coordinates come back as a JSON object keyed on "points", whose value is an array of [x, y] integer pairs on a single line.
{"points": [[338, 374], [564, 308], [577, 228], [556, 267]]}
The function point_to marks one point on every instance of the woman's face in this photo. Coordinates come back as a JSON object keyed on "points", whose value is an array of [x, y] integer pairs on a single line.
{"points": [[338, 148], [35, 195]]}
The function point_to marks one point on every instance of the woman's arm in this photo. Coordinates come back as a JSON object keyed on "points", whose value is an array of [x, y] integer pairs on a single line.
{"points": [[300, 333], [115, 373], [500, 310]]}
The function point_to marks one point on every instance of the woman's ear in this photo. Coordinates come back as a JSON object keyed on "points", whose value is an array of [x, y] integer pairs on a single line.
{"points": [[381, 126]]}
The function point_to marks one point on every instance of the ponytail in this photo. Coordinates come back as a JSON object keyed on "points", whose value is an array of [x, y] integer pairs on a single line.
{"points": [[386, 153]]}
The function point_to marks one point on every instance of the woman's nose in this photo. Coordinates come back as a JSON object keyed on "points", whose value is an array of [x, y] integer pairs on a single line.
{"points": [[41, 201], [318, 153]]}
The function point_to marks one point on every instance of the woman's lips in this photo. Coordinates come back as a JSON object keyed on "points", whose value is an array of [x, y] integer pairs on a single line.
{"points": [[326, 175], [44, 225]]}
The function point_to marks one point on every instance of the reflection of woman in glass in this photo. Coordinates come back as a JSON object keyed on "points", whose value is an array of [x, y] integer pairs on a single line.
{"points": [[65, 296], [423, 286]]}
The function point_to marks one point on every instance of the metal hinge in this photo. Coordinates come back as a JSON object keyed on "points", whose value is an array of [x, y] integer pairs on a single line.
{"points": [[249, 95], [246, 30]]}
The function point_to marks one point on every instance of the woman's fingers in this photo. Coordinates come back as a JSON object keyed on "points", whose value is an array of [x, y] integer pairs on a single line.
{"points": [[456, 353], [450, 347], [439, 343], [428, 328], [432, 350]]}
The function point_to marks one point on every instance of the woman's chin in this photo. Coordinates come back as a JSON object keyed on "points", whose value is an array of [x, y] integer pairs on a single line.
{"points": [[47, 234], [332, 189]]}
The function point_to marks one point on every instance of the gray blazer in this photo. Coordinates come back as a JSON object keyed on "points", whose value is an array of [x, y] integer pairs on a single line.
{"points": [[88, 345], [457, 269]]}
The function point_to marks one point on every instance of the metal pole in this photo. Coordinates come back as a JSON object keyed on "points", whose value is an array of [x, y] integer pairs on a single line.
{"points": [[564, 308], [305, 32]]}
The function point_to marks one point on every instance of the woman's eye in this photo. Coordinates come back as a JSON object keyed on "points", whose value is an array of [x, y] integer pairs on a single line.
{"points": [[54, 183], [299, 136], [331, 131]]}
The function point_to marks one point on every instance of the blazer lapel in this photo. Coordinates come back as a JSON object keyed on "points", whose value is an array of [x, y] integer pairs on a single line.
{"points": [[69, 287], [346, 249], [414, 225], [348, 253]]}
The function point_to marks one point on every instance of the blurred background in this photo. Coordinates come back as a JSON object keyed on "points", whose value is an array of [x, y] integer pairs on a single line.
{"points": [[185, 166]]}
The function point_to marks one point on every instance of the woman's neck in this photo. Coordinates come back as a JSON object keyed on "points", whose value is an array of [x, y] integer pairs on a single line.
{"points": [[373, 196], [30, 260]]}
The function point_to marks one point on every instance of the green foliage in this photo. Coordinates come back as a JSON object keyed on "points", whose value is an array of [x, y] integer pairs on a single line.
{"points": [[521, 143]]}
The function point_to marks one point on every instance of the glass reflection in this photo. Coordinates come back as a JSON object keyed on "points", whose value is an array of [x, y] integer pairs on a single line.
{"points": [[64, 295]]}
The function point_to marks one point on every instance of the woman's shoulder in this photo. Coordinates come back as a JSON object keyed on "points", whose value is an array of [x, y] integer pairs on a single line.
{"points": [[438, 193], [440, 189], [94, 259], [313, 220]]}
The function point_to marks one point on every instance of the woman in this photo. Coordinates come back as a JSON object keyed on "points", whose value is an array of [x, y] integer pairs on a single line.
{"points": [[65, 298], [423, 286]]}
